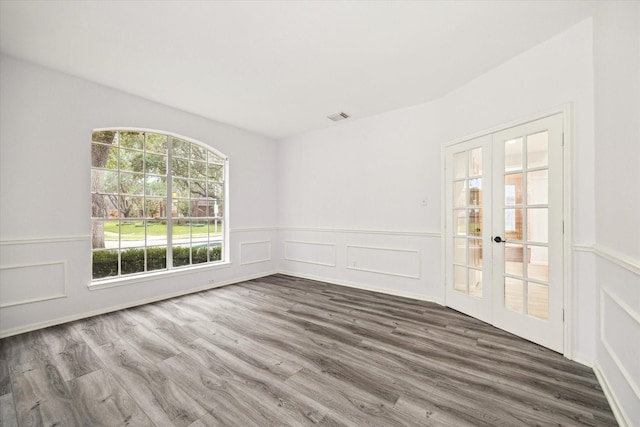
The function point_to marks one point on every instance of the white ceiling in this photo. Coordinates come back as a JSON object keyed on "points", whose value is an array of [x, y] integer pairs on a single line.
{"points": [[279, 68]]}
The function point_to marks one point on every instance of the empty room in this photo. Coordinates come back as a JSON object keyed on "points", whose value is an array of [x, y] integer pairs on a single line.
{"points": [[319, 213]]}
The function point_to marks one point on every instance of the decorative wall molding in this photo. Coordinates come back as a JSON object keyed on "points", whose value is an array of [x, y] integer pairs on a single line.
{"points": [[289, 243], [621, 260], [363, 287], [603, 336], [48, 239], [261, 242], [618, 412], [252, 229], [363, 231], [58, 321], [352, 262], [4, 283]]}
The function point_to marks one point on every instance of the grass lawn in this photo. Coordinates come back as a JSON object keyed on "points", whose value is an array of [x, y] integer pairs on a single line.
{"points": [[135, 230]]}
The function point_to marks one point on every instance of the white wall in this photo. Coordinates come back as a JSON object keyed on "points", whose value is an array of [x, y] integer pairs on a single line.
{"points": [[373, 173], [617, 179], [46, 124]]}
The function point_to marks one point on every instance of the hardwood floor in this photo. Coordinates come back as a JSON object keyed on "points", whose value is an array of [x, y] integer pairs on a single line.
{"points": [[281, 351]]}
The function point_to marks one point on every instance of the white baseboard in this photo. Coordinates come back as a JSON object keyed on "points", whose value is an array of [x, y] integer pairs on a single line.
{"points": [[363, 287], [618, 412], [582, 359], [79, 316]]}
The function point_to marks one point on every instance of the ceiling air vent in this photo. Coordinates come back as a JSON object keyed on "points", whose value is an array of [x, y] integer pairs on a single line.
{"points": [[338, 116]]}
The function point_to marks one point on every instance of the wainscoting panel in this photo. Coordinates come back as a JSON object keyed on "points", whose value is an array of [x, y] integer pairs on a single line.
{"points": [[30, 283], [616, 316], [253, 252], [310, 252], [394, 262]]}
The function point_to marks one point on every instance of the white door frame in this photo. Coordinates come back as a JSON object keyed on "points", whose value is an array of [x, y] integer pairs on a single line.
{"points": [[567, 209]]}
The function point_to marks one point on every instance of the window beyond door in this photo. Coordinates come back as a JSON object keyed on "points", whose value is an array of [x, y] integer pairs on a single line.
{"points": [[158, 203]]}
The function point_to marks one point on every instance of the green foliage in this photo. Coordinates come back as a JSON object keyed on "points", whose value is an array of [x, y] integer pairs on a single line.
{"points": [[105, 264]]}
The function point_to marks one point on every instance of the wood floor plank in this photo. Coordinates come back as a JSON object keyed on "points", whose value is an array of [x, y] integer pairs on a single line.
{"points": [[287, 351]]}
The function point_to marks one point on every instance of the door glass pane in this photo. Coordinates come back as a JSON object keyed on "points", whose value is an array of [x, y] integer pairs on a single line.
{"points": [[460, 279], [475, 162], [513, 154], [475, 191], [513, 189], [460, 222], [538, 300], [459, 194], [513, 294], [538, 150], [513, 259], [513, 224], [460, 165], [538, 187], [475, 283], [538, 263], [538, 225], [475, 222], [475, 252], [460, 250]]}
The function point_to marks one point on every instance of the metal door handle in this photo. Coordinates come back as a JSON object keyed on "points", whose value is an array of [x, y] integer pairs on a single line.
{"points": [[498, 239]]}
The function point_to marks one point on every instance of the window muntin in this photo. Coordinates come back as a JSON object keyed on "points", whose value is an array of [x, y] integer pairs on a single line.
{"points": [[158, 203]]}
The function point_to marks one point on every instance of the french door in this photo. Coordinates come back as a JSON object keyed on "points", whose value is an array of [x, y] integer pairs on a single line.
{"points": [[504, 229]]}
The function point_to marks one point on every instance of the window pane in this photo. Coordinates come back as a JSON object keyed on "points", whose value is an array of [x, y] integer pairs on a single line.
{"points": [[198, 189], [459, 194], [475, 191], [513, 263], [180, 148], [181, 256], [180, 187], [513, 189], [538, 150], [131, 207], [513, 224], [104, 156], [156, 233], [155, 185], [215, 190], [215, 172], [156, 143], [538, 187], [134, 140], [513, 154], [155, 207], [181, 208], [199, 254], [460, 222], [198, 170], [215, 229], [104, 234], [538, 225], [104, 181], [460, 250], [513, 294], [180, 167], [102, 206], [215, 252], [460, 165], [538, 263], [199, 233], [475, 283], [475, 252], [104, 136], [130, 160], [156, 258], [475, 162], [104, 264], [132, 234], [198, 153], [131, 183], [538, 300], [460, 279], [475, 222], [155, 164], [132, 261]]}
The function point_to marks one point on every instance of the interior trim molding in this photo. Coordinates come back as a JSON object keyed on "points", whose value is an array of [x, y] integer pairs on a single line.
{"points": [[389, 273], [363, 231], [621, 260], [60, 320], [252, 229], [268, 258], [363, 287], [603, 339], [64, 293], [47, 239], [618, 412], [333, 245]]}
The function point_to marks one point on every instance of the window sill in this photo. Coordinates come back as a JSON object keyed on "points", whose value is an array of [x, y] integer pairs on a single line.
{"points": [[134, 279]]}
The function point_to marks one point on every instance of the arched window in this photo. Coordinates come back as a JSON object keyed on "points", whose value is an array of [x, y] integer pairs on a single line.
{"points": [[158, 203]]}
